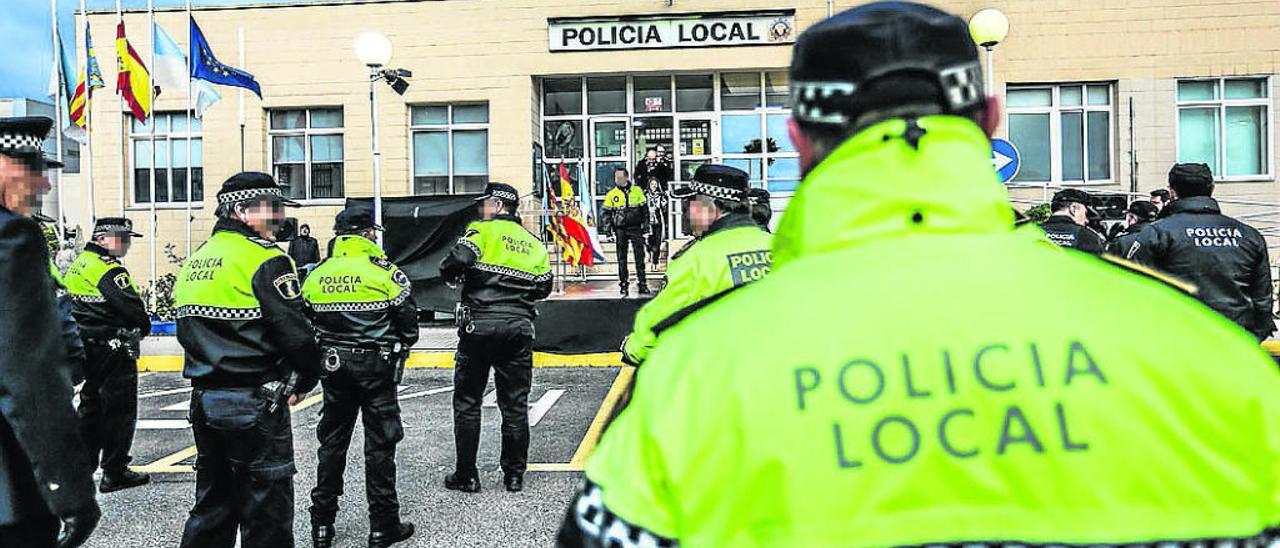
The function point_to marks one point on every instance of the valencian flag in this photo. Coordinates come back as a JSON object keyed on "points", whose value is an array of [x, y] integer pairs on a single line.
{"points": [[567, 226], [84, 89], [133, 82], [204, 66]]}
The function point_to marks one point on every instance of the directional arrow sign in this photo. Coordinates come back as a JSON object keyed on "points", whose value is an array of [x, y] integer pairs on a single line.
{"points": [[1004, 157]]}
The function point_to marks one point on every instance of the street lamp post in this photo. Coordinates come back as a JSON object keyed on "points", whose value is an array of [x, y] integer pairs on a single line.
{"points": [[988, 28], [374, 50]]}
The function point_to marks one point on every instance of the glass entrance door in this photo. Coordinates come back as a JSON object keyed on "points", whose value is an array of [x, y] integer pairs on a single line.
{"points": [[610, 150]]}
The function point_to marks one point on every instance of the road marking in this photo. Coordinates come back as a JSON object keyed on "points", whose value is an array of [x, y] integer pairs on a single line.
{"points": [[180, 406], [589, 441], [421, 359], [490, 399], [164, 393], [539, 409], [169, 464], [431, 392], [163, 424]]}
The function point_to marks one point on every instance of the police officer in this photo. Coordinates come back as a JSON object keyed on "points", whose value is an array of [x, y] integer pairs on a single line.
{"points": [[1068, 225], [249, 349], [871, 392], [504, 272], [112, 321], [1224, 258], [1138, 218], [729, 252], [761, 207], [46, 481], [363, 309], [627, 215]]}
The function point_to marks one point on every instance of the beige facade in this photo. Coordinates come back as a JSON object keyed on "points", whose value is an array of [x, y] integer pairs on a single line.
{"points": [[497, 52]]}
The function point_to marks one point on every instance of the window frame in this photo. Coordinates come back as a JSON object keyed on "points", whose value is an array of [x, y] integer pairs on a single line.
{"points": [[1221, 104], [448, 128], [166, 137], [306, 132], [1055, 111]]}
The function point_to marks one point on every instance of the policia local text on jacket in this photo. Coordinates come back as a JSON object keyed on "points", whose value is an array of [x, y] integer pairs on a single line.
{"points": [[1224, 258], [362, 307], [505, 272], [112, 320], [243, 325], [851, 418]]}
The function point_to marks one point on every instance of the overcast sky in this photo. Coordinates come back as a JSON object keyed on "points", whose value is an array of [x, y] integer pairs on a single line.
{"points": [[25, 28]]}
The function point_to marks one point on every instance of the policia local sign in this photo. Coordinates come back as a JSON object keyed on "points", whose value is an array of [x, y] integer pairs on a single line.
{"points": [[672, 31]]}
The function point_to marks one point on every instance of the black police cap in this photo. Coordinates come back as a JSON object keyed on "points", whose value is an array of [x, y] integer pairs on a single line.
{"points": [[354, 219], [114, 225], [251, 185], [501, 191], [926, 53], [23, 138], [1070, 196], [1191, 174], [758, 196], [1144, 210], [717, 181]]}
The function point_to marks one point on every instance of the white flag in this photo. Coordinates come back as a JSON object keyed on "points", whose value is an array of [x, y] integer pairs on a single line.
{"points": [[170, 71], [206, 96]]}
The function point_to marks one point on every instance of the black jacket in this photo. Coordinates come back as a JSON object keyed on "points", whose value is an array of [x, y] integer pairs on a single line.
{"points": [[44, 467], [242, 353], [1224, 258], [494, 292], [1066, 233], [304, 250], [659, 168], [121, 308], [1123, 242]]}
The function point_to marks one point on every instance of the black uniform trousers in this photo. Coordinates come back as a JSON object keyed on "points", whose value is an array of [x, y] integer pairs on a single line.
{"points": [[244, 471], [633, 238], [31, 533], [506, 346], [364, 384], [109, 405]]}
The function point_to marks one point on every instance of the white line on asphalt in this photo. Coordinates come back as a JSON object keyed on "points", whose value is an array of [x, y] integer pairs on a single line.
{"points": [[540, 408], [431, 392], [164, 393], [180, 406], [163, 424], [490, 399]]}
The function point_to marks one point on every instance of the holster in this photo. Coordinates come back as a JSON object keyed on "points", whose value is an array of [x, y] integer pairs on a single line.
{"points": [[462, 317]]}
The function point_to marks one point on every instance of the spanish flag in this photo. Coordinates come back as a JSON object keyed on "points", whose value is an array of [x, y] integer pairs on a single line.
{"points": [[133, 82]]}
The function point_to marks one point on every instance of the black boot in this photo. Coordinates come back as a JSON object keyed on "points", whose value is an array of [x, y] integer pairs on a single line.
{"points": [[644, 289], [122, 480], [382, 539], [625, 289], [322, 535], [514, 482], [469, 484]]}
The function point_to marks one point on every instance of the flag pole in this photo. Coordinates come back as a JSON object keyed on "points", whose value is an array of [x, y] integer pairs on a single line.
{"points": [[86, 175], [240, 38], [190, 131], [151, 100], [120, 100], [57, 108]]}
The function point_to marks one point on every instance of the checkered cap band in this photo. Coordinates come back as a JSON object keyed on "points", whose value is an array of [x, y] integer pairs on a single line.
{"points": [[105, 229], [504, 195], [242, 195], [88, 298], [15, 141], [718, 192], [218, 313], [828, 102]]}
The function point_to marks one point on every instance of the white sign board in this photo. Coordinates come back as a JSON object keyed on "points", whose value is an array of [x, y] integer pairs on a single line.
{"points": [[688, 31]]}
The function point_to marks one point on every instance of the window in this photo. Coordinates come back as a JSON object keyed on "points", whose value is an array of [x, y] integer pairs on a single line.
{"points": [[753, 129], [307, 152], [450, 148], [168, 148], [1063, 132], [1224, 122]]}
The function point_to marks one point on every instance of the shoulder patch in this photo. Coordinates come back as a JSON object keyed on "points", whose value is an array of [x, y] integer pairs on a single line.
{"points": [[401, 279], [287, 286], [122, 280], [382, 263]]}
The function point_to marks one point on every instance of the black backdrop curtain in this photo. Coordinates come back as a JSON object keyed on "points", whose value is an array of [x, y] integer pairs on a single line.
{"points": [[420, 232]]}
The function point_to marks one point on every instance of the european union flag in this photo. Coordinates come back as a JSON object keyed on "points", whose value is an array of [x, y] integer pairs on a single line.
{"points": [[204, 66]]}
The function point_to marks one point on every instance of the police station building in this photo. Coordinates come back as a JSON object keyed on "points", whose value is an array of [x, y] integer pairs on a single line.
{"points": [[1100, 94]]}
